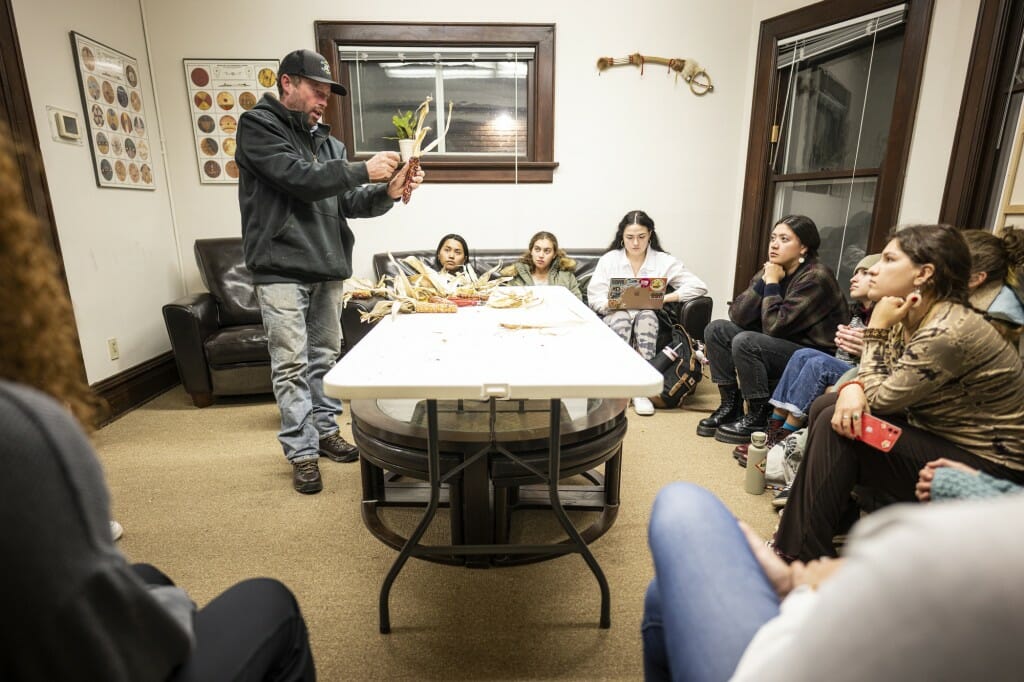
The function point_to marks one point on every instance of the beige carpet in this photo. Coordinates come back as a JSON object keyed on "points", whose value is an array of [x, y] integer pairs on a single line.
{"points": [[206, 496]]}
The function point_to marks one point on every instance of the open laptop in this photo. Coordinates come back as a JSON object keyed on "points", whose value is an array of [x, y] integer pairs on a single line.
{"points": [[637, 293]]}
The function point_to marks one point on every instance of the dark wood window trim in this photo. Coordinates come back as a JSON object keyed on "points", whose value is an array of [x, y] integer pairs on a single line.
{"points": [[972, 163], [540, 163], [755, 212]]}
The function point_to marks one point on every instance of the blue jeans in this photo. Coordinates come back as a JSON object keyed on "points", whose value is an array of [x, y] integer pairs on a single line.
{"points": [[709, 595], [808, 373], [303, 323]]}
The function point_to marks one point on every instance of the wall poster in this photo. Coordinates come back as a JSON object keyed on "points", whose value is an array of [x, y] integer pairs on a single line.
{"points": [[219, 91], [111, 87]]}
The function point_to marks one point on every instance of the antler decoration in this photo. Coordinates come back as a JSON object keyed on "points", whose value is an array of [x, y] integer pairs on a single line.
{"points": [[692, 72]]}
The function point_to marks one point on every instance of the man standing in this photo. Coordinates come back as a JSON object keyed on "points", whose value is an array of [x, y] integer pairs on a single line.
{"points": [[295, 190]]}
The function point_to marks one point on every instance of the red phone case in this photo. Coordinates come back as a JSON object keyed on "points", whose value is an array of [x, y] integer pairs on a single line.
{"points": [[878, 433]]}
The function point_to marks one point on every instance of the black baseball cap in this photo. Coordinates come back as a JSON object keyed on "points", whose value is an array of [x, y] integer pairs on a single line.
{"points": [[311, 65]]}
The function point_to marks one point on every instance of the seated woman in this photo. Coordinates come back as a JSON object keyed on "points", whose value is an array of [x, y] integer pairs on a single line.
{"points": [[82, 611], [794, 301], [636, 252], [923, 593], [997, 273], [451, 254], [810, 372], [544, 263], [75, 608], [932, 366]]}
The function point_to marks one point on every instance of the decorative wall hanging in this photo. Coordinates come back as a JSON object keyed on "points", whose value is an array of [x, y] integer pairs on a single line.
{"points": [[111, 87], [692, 72], [219, 91]]}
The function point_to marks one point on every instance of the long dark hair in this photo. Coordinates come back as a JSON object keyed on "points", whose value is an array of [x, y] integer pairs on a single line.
{"points": [[635, 218], [805, 230], [437, 252], [945, 248]]}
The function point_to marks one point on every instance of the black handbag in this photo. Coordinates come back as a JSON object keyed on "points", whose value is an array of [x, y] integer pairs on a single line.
{"points": [[680, 369]]}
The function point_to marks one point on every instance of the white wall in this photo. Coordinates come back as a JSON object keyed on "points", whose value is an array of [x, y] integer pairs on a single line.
{"points": [[118, 247], [623, 141], [942, 88]]}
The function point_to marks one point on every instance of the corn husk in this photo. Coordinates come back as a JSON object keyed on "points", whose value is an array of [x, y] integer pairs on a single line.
{"points": [[513, 298]]}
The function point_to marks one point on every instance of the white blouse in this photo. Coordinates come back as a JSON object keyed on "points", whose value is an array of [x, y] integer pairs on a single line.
{"points": [[657, 264]]}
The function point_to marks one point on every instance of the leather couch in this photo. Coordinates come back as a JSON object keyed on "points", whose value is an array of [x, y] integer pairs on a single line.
{"points": [[693, 315], [217, 336], [219, 343]]}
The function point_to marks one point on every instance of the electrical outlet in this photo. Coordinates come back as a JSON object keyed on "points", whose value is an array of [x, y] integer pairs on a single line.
{"points": [[112, 350]]}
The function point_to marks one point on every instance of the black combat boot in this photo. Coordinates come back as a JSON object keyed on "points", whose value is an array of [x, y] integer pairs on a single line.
{"points": [[756, 419], [730, 410]]}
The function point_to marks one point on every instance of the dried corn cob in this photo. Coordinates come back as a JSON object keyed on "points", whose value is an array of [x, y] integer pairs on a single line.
{"points": [[410, 173], [432, 307]]}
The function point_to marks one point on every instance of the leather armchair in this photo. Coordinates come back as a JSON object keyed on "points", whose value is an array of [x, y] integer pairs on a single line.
{"points": [[694, 315], [217, 337]]}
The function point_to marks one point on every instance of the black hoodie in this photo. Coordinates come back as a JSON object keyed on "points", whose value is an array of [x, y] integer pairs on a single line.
{"points": [[295, 189]]}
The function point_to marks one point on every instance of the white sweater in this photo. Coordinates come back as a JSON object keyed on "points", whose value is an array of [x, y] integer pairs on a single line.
{"points": [[657, 264]]}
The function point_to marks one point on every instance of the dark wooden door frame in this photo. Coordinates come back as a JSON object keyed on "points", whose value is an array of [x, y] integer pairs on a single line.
{"points": [[754, 230], [17, 113], [972, 163]]}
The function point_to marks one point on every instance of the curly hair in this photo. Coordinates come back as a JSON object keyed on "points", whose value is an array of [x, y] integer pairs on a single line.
{"points": [[527, 257], [38, 338]]}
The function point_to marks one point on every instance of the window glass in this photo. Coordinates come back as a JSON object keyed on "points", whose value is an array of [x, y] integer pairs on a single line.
{"points": [[842, 211], [488, 91], [839, 107]]}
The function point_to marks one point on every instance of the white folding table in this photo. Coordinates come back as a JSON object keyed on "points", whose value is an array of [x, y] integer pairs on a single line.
{"points": [[553, 350]]}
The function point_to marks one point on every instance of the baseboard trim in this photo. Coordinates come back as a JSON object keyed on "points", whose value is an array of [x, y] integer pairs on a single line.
{"points": [[125, 391]]}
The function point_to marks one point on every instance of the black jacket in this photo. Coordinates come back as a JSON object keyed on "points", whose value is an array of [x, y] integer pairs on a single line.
{"points": [[295, 189]]}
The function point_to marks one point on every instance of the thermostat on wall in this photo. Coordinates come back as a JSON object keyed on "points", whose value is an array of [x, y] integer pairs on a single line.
{"points": [[65, 125]]}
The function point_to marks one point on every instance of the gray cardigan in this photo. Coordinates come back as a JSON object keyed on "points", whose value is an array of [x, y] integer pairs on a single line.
{"points": [[75, 609]]}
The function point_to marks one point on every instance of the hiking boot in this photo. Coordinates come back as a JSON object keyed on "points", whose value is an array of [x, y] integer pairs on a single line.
{"points": [[337, 449], [738, 432], [775, 435], [730, 410], [306, 477]]}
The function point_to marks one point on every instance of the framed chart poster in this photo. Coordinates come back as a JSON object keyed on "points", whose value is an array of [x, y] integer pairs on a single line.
{"points": [[219, 91], [115, 115]]}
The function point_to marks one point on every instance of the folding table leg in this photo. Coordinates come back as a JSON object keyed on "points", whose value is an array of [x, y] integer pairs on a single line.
{"points": [[554, 467], [433, 476]]}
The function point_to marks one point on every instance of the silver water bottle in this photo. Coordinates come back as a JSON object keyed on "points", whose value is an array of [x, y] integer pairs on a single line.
{"points": [[757, 454]]}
